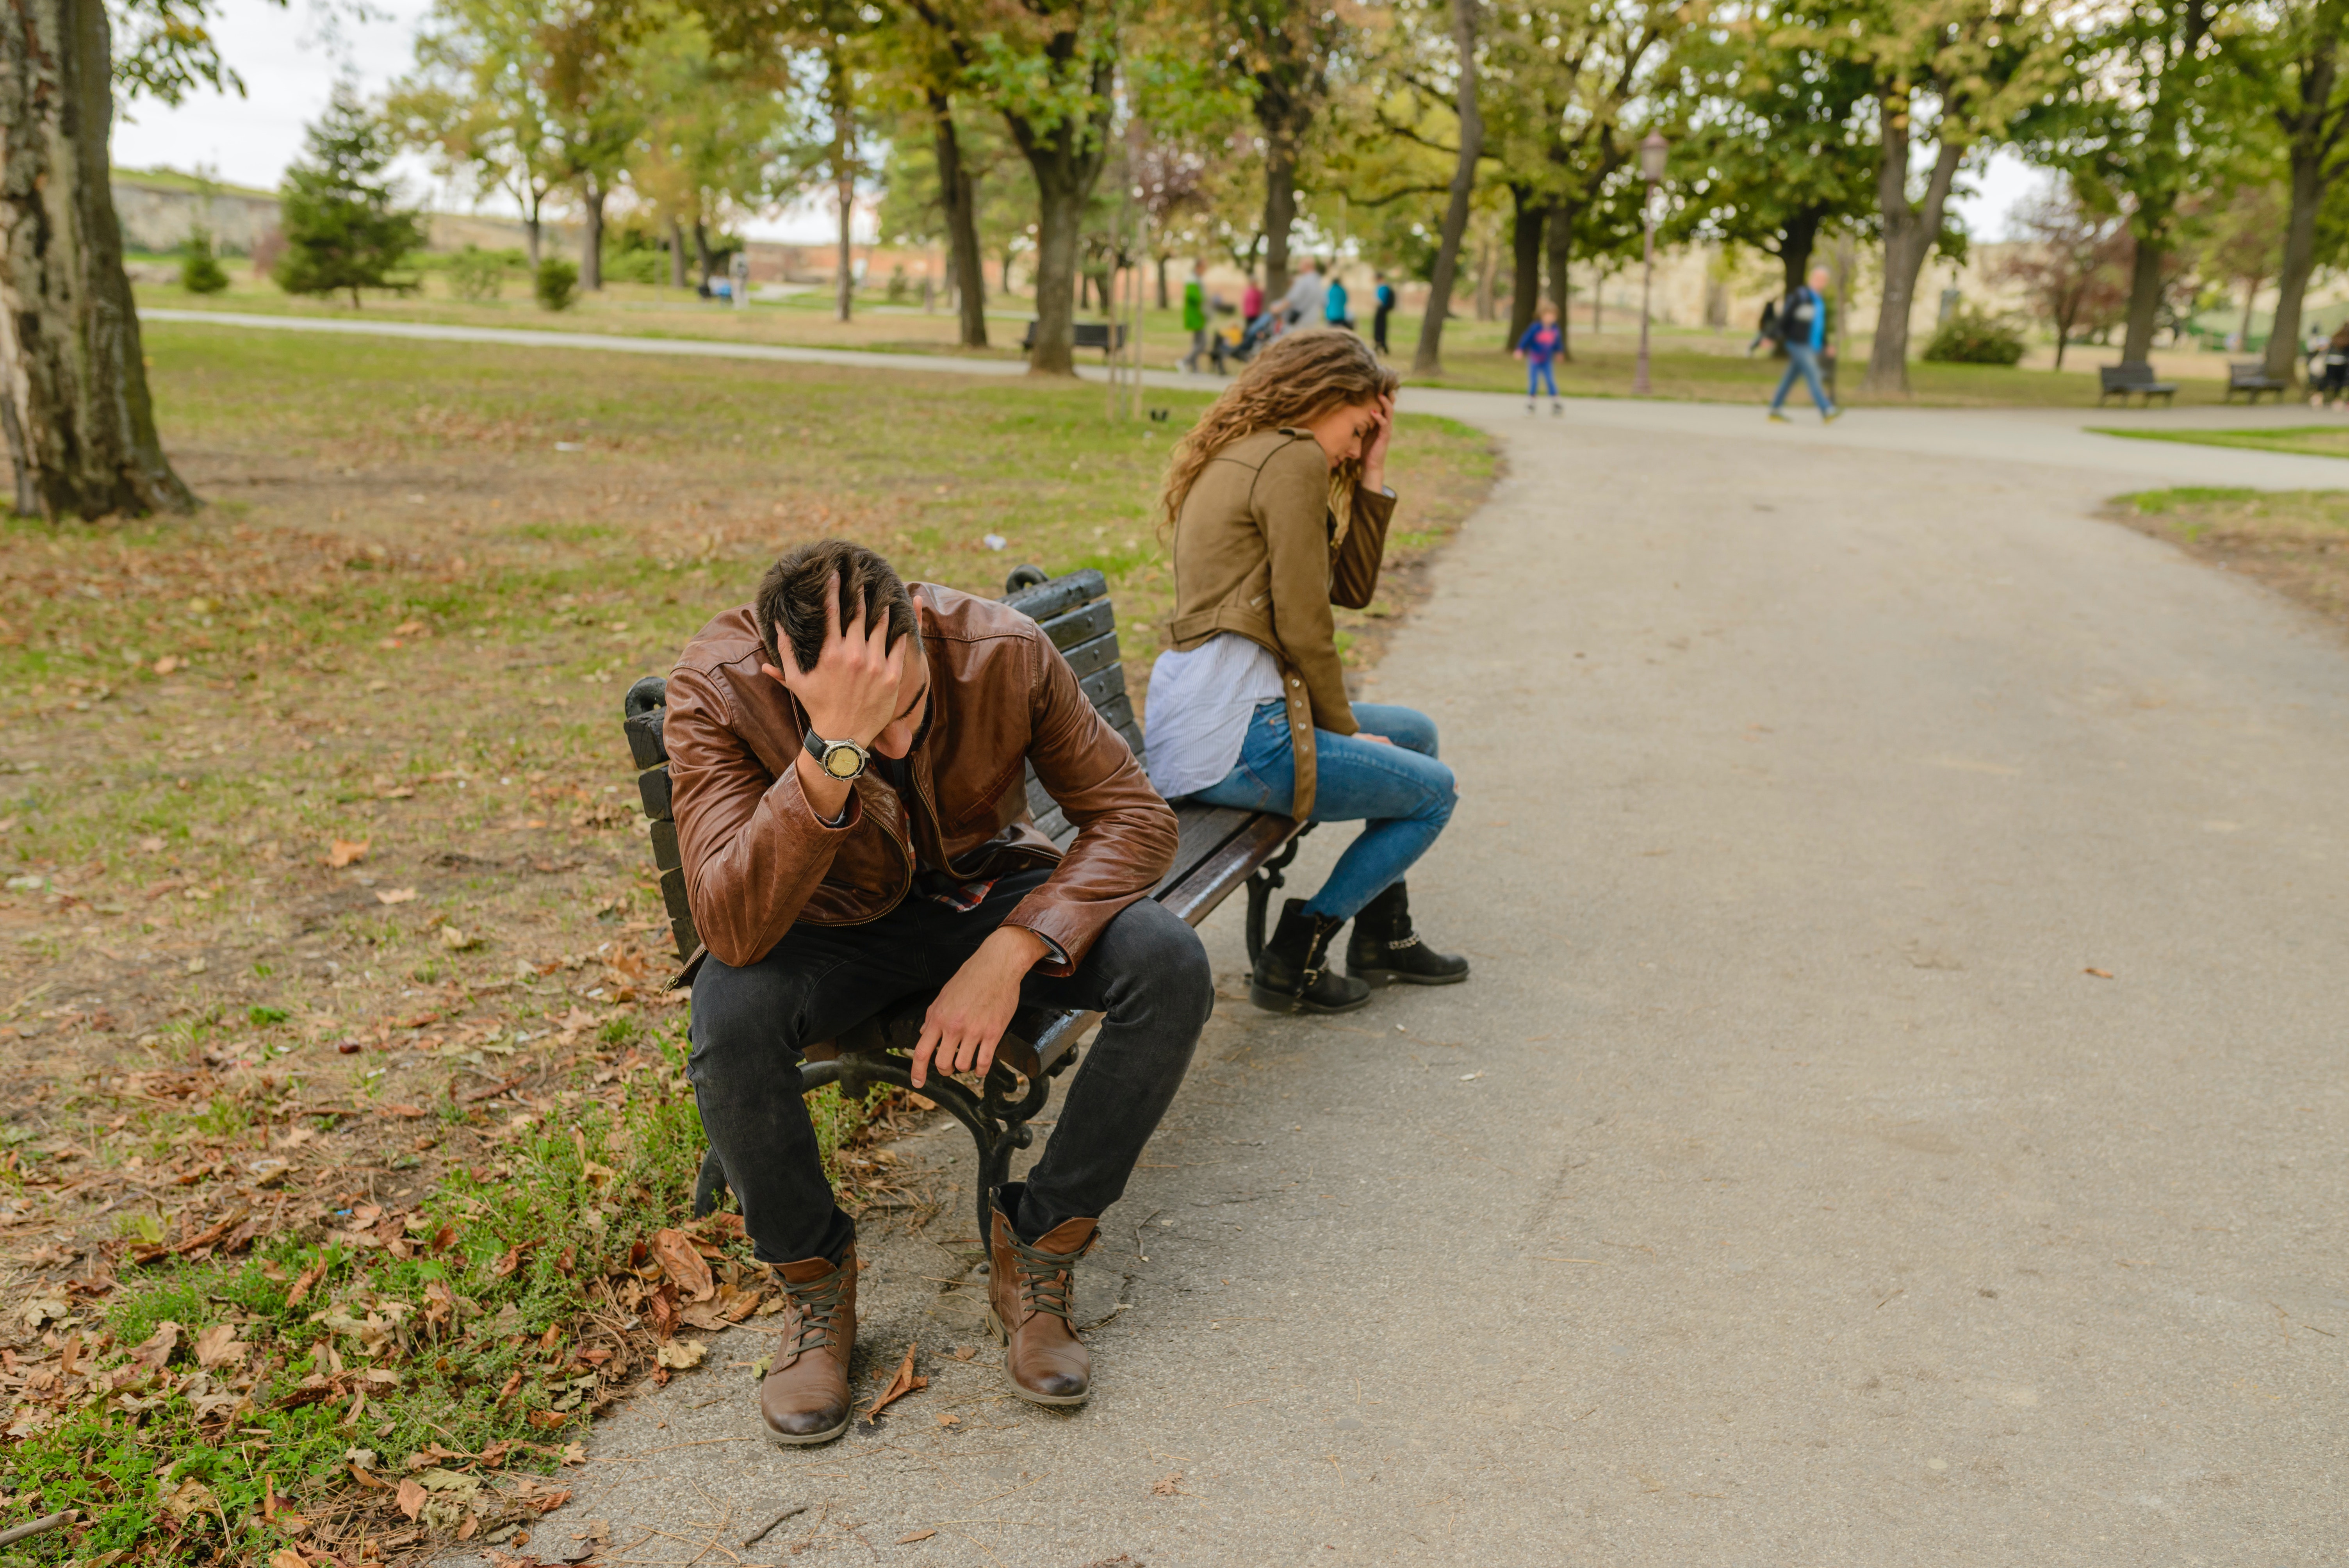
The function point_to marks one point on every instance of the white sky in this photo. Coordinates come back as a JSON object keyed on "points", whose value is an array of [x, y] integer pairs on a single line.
{"points": [[289, 64]]}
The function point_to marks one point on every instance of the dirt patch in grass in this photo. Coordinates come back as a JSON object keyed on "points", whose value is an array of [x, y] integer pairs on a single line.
{"points": [[2295, 541], [347, 1163]]}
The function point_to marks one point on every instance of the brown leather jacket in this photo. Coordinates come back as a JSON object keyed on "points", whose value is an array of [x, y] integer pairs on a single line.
{"points": [[757, 859], [1254, 554]]}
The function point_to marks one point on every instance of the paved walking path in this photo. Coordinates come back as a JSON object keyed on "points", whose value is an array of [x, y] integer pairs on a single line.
{"points": [[1897, 1117], [2060, 437]]}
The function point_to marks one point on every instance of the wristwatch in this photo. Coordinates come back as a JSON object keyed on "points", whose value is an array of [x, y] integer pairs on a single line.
{"points": [[842, 759]]}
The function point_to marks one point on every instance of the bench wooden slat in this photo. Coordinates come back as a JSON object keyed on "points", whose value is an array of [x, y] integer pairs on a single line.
{"points": [[1104, 687], [1089, 658], [1228, 868], [1081, 625], [1060, 595], [652, 788], [666, 856]]}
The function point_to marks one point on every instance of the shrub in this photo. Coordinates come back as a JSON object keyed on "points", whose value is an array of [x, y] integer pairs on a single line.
{"points": [[475, 273], [557, 283], [635, 265], [200, 269], [343, 228], [1973, 336]]}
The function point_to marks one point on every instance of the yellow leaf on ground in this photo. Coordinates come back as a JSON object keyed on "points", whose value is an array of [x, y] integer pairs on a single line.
{"points": [[918, 1535], [678, 1355], [903, 1384], [347, 851], [395, 895], [412, 1498], [218, 1347], [685, 1267]]}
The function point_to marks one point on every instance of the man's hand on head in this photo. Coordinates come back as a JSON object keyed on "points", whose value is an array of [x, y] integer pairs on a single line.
{"points": [[850, 692], [963, 1027]]}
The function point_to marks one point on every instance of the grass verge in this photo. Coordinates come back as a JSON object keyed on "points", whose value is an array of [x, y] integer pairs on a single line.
{"points": [[2294, 542], [345, 1169], [2308, 441]]}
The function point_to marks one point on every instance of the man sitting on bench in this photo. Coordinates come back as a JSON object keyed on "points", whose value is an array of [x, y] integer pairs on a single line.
{"points": [[846, 758]]}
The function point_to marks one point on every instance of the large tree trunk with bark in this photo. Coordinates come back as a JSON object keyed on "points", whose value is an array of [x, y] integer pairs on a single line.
{"points": [[2145, 300], [2299, 255], [1066, 158], [591, 234], [838, 88], [676, 252], [1428, 360], [702, 258], [532, 231], [961, 204], [1562, 215], [1909, 231], [73, 377], [1279, 211], [1526, 221]]}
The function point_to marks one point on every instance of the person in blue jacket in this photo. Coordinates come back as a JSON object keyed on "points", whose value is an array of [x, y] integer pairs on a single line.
{"points": [[1386, 298], [1333, 302], [1803, 327], [1539, 348]]}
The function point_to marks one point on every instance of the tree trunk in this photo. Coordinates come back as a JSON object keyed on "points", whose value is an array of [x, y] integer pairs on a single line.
{"points": [[1161, 284], [1908, 233], [590, 237], [838, 88], [1795, 242], [73, 377], [675, 253], [1561, 254], [1066, 157], [1279, 211], [1429, 359], [531, 228], [962, 224], [2298, 253], [2145, 301], [844, 289], [701, 256], [1526, 222], [2251, 300], [1488, 275]]}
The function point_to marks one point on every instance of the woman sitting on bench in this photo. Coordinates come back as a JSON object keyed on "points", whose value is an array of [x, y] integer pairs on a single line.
{"points": [[1278, 504]]}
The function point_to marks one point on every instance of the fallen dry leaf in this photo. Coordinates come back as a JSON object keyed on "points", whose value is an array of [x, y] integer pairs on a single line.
{"points": [[684, 1265], [1172, 1486], [947, 1420], [918, 1535], [395, 895], [218, 1347], [286, 1557], [454, 939], [965, 1352], [168, 663], [302, 1282], [412, 1498], [681, 1354], [2099, 974], [903, 1384], [347, 851]]}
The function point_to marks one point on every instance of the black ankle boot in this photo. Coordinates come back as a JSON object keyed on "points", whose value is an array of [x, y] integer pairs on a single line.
{"points": [[1291, 973], [1385, 951]]}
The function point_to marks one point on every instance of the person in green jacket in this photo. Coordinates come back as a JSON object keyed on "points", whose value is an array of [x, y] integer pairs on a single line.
{"points": [[1194, 313]]}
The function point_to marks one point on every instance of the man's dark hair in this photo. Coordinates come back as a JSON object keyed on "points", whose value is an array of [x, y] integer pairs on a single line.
{"points": [[789, 608]]}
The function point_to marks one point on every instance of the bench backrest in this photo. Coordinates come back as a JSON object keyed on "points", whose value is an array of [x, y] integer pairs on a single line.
{"points": [[1075, 611], [2247, 373], [2128, 372]]}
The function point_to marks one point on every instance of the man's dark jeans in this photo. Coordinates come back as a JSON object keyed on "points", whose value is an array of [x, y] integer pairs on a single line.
{"points": [[1146, 973]]}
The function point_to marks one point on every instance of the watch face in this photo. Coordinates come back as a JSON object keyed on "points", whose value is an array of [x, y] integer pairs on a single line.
{"points": [[842, 761]]}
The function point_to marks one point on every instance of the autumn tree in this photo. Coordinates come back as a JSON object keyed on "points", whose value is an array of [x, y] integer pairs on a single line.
{"points": [[2073, 263]]}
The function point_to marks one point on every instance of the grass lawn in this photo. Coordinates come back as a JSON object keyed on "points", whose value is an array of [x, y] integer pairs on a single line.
{"points": [[2295, 541], [2309, 440], [345, 1164], [1694, 364]]}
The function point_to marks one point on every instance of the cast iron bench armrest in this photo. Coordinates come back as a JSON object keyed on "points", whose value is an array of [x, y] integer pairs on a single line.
{"points": [[1219, 850]]}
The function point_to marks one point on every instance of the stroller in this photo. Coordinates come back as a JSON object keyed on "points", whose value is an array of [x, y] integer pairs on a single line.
{"points": [[1239, 344]]}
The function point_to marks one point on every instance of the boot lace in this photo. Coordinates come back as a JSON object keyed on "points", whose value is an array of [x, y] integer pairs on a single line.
{"points": [[1047, 1278], [813, 1306]]}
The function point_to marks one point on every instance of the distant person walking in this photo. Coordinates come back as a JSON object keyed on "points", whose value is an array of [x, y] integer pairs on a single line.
{"points": [[1803, 325], [1539, 349], [1302, 306], [1251, 301], [1333, 303], [1195, 315], [1385, 296]]}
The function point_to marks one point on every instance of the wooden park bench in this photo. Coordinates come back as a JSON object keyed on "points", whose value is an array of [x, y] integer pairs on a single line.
{"points": [[1219, 849], [2132, 377], [1107, 336], [2251, 376]]}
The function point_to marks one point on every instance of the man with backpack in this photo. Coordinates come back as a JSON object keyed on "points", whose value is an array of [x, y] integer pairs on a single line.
{"points": [[1803, 327], [1385, 296]]}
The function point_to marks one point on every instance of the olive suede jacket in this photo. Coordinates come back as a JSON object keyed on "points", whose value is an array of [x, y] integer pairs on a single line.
{"points": [[758, 858], [1255, 553]]}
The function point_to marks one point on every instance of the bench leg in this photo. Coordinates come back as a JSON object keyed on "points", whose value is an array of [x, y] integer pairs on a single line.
{"points": [[1260, 884]]}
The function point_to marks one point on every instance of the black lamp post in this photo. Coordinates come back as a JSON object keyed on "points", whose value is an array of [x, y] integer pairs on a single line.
{"points": [[1652, 169]]}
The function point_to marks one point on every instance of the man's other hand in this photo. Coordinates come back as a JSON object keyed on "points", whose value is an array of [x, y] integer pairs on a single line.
{"points": [[851, 691], [967, 1022]]}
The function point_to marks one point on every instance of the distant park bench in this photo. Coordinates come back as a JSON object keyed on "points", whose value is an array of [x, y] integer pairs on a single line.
{"points": [[2132, 377], [1218, 849], [1107, 336], [2251, 376]]}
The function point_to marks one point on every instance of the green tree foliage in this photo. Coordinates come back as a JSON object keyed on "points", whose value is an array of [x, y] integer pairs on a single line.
{"points": [[555, 282], [712, 126], [344, 230], [200, 271], [2288, 56], [1774, 137], [1973, 336], [1279, 56]]}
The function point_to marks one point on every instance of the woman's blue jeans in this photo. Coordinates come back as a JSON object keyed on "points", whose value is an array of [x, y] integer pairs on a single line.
{"points": [[1401, 794]]}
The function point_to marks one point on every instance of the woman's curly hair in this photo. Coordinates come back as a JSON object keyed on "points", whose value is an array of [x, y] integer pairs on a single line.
{"points": [[1295, 380]]}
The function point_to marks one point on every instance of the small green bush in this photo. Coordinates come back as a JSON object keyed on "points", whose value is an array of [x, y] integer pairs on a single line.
{"points": [[635, 266], [1973, 336], [475, 273], [557, 283], [200, 271]]}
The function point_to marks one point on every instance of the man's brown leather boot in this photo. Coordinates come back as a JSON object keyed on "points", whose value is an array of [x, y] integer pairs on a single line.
{"points": [[1029, 1290], [805, 1396]]}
